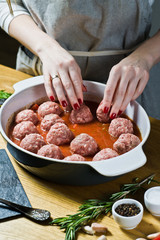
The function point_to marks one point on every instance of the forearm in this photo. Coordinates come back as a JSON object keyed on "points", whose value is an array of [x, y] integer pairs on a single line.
{"points": [[25, 30], [149, 51]]}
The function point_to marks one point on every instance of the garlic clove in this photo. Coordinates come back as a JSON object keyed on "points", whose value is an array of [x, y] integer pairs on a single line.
{"points": [[153, 235], [97, 227], [102, 237], [87, 229]]}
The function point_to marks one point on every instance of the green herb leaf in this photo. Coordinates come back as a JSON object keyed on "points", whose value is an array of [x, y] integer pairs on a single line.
{"points": [[4, 94]]}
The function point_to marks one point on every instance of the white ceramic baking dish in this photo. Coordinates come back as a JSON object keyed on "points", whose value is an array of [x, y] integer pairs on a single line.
{"points": [[30, 91]]}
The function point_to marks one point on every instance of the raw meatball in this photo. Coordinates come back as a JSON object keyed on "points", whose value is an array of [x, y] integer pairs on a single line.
{"points": [[51, 151], [32, 142], [82, 115], [48, 108], [24, 128], [26, 115], [101, 116], [59, 134], [104, 154], [50, 120], [119, 126], [84, 145], [74, 157], [126, 142]]}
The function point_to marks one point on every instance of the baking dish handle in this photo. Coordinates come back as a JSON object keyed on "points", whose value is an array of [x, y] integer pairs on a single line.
{"points": [[122, 164], [29, 82]]}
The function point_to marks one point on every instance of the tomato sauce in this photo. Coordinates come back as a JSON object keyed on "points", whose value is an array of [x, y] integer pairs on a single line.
{"points": [[99, 131]]}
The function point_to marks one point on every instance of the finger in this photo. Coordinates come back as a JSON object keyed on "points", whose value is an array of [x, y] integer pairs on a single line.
{"points": [[69, 89], [48, 86], [111, 85], [119, 96], [129, 95], [141, 85], [77, 81], [59, 91]]}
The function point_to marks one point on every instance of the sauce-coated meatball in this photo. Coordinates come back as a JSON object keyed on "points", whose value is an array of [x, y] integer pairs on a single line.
{"points": [[48, 108], [119, 126], [51, 151], [59, 134], [26, 115], [24, 128], [82, 115], [32, 142], [126, 142], [75, 157], [84, 145], [104, 154], [50, 120]]}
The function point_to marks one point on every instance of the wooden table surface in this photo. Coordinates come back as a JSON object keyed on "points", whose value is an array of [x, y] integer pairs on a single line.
{"points": [[62, 200]]}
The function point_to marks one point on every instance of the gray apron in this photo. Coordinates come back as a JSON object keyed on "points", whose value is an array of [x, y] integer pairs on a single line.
{"points": [[98, 33]]}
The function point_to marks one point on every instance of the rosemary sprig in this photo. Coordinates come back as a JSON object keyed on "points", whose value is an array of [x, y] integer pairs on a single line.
{"points": [[3, 96], [93, 208]]}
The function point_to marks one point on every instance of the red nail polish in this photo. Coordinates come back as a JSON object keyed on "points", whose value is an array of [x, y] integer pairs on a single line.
{"points": [[84, 88], [76, 106], [51, 98], [119, 113], [80, 101], [64, 103], [113, 115], [105, 110]]}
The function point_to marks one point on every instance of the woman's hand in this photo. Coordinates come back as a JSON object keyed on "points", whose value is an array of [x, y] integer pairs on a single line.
{"points": [[62, 75], [126, 82], [55, 59]]}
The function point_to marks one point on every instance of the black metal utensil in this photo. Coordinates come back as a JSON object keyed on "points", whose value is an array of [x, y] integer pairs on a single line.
{"points": [[32, 213]]}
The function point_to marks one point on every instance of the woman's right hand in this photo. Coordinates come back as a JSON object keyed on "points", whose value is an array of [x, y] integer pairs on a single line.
{"points": [[62, 75], [55, 59]]}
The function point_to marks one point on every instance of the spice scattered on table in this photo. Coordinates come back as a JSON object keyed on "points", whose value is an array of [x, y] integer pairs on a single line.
{"points": [[127, 209]]}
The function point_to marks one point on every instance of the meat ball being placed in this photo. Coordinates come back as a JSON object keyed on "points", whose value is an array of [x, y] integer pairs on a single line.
{"points": [[59, 134], [48, 108], [50, 120], [84, 145], [101, 116], [51, 151], [75, 157], [104, 154], [126, 142], [26, 115], [119, 126], [32, 142], [24, 128], [82, 115]]}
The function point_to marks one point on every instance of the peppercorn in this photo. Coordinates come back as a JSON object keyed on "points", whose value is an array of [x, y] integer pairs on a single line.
{"points": [[127, 210]]}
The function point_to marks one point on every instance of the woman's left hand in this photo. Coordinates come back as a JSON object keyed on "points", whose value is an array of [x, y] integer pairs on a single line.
{"points": [[126, 82]]}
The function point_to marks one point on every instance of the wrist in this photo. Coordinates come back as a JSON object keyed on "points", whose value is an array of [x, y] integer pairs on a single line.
{"points": [[42, 49]]}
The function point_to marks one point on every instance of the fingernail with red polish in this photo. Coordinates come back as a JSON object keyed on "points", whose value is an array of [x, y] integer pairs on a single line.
{"points": [[51, 98], [76, 106], [80, 101], [119, 113], [64, 103], [113, 115], [84, 88], [105, 110]]}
